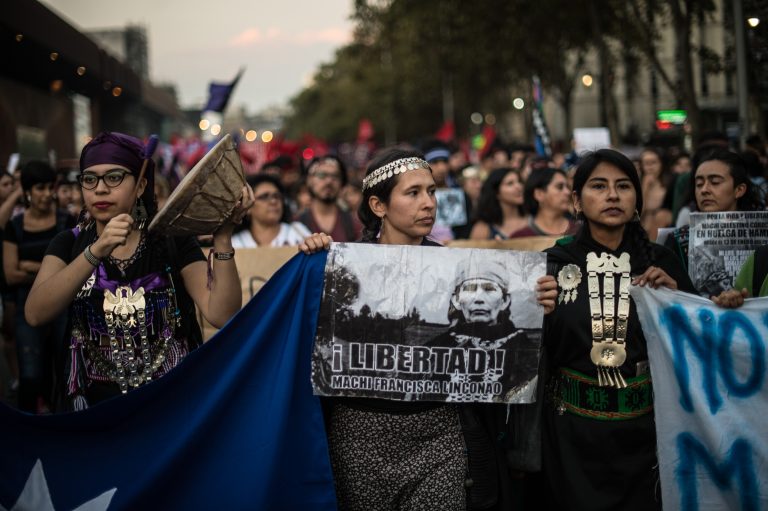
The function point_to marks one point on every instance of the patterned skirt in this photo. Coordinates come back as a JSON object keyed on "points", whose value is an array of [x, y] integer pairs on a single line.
{"points": [[388, 462]]}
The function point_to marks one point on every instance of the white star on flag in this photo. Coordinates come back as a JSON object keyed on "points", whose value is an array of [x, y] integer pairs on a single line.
{"points": [[35, 495]]}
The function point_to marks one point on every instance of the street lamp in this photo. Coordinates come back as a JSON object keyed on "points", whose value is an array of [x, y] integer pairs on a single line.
{"points": [[753, 22]]}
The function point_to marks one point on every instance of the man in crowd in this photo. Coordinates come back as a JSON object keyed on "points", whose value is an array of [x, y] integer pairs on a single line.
{"points": [[326, 176]]}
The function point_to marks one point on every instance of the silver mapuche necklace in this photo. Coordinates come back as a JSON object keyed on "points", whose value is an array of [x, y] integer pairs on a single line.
{"points": [[609, 330]]}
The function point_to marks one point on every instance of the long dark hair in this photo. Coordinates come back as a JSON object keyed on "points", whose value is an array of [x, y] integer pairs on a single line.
{"points": [[382, 190], [738, 170], [538, 180], [488, 206], [633, 230]]}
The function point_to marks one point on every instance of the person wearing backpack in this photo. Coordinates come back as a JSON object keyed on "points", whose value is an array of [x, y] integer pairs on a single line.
{"points": [[130, 293], [27, 236]]}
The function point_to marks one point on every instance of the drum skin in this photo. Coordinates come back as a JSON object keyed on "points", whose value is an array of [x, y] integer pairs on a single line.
{"points": [[206, 196]]}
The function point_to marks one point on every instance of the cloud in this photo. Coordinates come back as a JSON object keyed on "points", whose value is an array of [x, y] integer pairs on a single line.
{"points": [[254, 36], [328, 35]]}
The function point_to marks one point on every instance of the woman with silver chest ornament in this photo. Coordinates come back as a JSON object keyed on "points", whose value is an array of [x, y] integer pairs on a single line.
{"points": [[131, 294], [599, 445]]}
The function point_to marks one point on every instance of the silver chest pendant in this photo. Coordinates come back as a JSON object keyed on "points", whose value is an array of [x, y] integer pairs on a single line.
{"points": [[609, 317]]}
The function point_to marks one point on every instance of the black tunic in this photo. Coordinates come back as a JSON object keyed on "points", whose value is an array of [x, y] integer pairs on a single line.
{"points": [[599, 464]]}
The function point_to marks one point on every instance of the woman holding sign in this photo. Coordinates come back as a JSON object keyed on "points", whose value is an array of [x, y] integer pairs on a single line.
{"points": [[599, 445], [719, 183], [131, 294], [392, 455]]}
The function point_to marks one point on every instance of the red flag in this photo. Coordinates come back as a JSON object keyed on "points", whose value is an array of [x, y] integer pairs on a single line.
{"points": [[446, 132], [489, 135], [364, 131]]}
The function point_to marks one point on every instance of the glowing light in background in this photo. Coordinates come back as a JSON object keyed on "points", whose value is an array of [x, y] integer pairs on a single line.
{"points": [[81, 71], [476, 118], [753, 22], [215, 129], [54, 56], [116, 91], [518, 103], [587, 80], [19, 37], [56, 85], [490, 119], [250, 135], [267, 136], [204, 124], [308, 153]]}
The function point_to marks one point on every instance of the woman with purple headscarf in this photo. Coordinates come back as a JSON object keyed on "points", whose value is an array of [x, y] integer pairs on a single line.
{"points": [[131, 294]]}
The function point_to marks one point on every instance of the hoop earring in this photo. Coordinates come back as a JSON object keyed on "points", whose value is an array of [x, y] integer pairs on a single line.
{"points": [[139, 213]]}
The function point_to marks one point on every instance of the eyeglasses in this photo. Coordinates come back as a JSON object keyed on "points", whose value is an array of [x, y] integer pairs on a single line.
{"points": [[266, 197], [112, 179], [326, 175]]}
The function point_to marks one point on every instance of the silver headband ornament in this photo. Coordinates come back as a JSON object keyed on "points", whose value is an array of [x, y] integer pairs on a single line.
{"points": [[391, 169]]}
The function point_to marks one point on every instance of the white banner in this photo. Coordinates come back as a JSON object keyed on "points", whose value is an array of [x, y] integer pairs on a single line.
{"points": [[429, 324], [709, 369], [719, 245]]}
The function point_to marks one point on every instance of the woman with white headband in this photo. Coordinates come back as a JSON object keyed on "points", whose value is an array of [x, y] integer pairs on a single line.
{"points": [[391, 455]]}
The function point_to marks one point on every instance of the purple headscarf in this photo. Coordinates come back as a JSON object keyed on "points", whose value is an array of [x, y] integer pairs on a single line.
{"points": [[124, 150], [115, 148]]}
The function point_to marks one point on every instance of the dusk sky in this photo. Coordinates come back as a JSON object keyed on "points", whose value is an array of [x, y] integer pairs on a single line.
{"points": [[191, 42]]}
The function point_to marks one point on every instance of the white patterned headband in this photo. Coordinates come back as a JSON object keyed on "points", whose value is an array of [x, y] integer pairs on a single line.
{"points": [[391, 169]]}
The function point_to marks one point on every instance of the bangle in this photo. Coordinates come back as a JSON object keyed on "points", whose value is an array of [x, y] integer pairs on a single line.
{"points": [[95, 261], [223, 256]]}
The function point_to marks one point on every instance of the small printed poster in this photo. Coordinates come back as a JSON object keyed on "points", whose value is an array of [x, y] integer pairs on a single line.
{"points": [[414, 323]]}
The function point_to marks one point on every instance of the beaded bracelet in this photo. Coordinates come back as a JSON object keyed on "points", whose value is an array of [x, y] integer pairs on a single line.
{"points": [[95, 261], [224, 256]]}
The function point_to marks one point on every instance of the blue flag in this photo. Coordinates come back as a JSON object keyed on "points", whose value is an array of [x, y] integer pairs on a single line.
{"points": [[219, 93], [540, 130], [234, 426]]}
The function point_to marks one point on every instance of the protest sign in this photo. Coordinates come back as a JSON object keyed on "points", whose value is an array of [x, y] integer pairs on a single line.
{"points": [[429, 324], [709, 373], [719, 245], [591, 139], [532, 243], [451, 207], [255, 267]]}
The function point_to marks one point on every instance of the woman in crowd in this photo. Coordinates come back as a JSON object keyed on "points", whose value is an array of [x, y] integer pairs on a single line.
{"points": [[720, 182], [270, 221], [656, 180], [500, 208], [27, 236], [547, 199], [131, 294], [599, 444], [423, 443]]}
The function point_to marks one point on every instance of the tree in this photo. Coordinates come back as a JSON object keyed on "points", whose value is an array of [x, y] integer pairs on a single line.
{"points": [[641, 21]]}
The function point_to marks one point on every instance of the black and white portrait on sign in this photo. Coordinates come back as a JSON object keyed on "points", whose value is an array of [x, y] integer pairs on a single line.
{"points": [[429, 324], [719, 245], [451, 206]]}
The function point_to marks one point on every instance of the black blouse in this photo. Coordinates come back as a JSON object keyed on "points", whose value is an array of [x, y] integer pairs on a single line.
{"points": [[568, 329]]}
